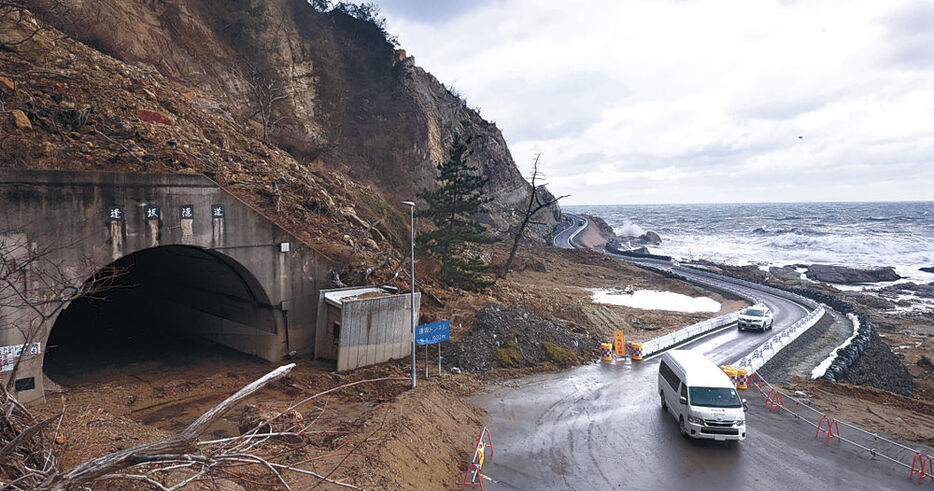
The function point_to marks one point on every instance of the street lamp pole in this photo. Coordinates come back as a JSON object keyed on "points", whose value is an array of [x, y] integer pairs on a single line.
{"points": [[411, 206]]}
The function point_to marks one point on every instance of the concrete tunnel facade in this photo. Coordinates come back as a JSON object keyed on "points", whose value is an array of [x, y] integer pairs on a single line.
{"points": [[194, 255]]}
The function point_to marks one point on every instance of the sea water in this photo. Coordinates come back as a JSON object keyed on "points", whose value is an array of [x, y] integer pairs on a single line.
{"points": [[898, 234]]}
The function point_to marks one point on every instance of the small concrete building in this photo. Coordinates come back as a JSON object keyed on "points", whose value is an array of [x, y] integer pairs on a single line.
{"points": [[360, 326]]}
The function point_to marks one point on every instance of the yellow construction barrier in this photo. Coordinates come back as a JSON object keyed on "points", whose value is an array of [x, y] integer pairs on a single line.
{"points": [[619, 342], [635, 351], [742, 378], [606, 351], [730, 371]]}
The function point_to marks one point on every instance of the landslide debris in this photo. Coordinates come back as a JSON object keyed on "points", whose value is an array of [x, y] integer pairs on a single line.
{"points": [[75, 108], [510, 337], [330, 86]]}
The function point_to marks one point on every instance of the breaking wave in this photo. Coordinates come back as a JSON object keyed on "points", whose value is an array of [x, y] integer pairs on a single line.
{"points": [[629, 229], [854, 234]]}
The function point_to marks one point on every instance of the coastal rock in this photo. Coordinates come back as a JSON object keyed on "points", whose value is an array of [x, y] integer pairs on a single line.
{"points": [[927, 270], [921, 290], [785, 273], [749, 272], [597, 234], [649, 238], [843, 274], [614, 246], [344, 80]]}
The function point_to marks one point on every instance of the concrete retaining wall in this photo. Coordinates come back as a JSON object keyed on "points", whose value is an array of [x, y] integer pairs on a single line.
{"points": [[374, 330]]}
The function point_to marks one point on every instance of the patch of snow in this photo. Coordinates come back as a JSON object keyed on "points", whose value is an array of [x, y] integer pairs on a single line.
{"points": [[843, 287], [822, 367], [656, 300]]}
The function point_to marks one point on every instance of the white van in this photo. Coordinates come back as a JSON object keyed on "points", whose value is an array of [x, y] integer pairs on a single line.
{"points": [[701, 397]]}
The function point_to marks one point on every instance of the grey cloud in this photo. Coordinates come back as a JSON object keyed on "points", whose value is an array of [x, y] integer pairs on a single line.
{"points": [[565, 106], [581, 162], [916, 18], [778, 109], [914, 53], [910, 35], [430, 11]]}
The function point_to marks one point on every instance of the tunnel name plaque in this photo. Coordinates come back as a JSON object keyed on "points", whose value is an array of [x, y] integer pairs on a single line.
{"points": [[153, 212], [186, 212], [217, 211], [115, 213]]}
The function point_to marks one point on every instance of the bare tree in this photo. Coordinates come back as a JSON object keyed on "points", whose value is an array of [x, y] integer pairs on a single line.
{"points": [[181, 460], [35, 285], [536, 204], [265, 93]]}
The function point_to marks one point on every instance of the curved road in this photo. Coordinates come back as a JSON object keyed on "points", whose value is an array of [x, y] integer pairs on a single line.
{"points": [[601, 426], [565, 238]]}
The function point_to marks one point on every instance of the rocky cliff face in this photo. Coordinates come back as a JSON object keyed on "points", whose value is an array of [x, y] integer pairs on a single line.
{"points": [[334, 91]]}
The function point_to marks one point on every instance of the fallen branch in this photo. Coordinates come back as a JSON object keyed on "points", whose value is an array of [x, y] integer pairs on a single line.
{"points": [[181, 443], [24, 436], [111, 140]]}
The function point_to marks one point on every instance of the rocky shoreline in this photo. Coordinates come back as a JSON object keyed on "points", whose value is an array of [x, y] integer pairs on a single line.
{"points": [[867, 360]]}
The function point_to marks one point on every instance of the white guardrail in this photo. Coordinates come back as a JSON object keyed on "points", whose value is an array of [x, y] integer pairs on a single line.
{"points": [[673, 338], [759, 356]]}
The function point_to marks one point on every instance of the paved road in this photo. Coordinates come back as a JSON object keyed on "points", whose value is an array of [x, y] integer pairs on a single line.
{"points": [[601, 427], [565, 238]]}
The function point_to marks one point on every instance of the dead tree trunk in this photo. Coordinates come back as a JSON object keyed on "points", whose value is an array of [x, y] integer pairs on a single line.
{"points": [[535, 205], [182, 443]]}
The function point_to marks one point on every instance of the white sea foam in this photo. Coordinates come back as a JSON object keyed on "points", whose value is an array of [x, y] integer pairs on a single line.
{"points": [[907, 255], [629, 229], [781, 234]]}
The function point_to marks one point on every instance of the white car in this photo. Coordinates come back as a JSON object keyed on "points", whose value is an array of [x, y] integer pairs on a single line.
{"points": [[757, 317], [701, 397]]}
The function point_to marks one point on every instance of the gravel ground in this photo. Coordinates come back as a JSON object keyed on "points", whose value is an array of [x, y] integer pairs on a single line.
{"points": [[520, 338], [808, 350]]}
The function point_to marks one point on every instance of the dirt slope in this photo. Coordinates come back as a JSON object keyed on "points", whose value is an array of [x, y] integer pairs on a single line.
{"points": [[350, 101]]}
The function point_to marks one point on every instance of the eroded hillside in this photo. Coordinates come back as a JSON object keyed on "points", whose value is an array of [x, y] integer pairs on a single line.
{"points": [[346, 99]]}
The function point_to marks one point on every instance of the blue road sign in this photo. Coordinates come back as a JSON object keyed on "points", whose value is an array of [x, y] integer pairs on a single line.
{"points": [[435, 332]]}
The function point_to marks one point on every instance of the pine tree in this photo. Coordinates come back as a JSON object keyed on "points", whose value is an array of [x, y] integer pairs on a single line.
{"points": [[451, 208]]}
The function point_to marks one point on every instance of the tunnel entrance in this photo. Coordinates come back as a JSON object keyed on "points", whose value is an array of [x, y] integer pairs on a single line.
{"points": [[165, 308]]}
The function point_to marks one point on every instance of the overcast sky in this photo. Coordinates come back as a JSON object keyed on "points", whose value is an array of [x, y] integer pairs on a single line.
{"points": [[690, 101]]}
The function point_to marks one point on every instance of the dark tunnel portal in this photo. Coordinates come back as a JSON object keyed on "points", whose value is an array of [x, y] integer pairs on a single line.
{"points": [[166, 305]]}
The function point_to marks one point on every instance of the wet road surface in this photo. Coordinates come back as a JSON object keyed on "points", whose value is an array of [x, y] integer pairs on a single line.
{"points": [[601, 427], [563, 238]]}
